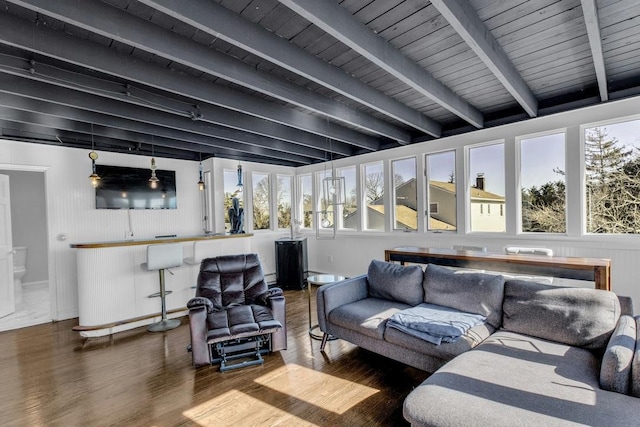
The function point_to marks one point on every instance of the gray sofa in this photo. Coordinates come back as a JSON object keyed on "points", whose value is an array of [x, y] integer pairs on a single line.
{"points": [[544, 355]]}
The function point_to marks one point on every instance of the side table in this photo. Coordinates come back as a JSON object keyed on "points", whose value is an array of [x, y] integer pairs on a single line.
{"points": [[319, 280]]}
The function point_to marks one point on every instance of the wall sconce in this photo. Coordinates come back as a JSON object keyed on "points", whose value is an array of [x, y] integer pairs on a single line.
{"points": [[239, 185], [94, 177], [154, 179], [200, 181]]}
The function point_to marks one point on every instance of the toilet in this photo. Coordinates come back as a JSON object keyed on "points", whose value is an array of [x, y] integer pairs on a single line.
{"points": [[19, 264]]}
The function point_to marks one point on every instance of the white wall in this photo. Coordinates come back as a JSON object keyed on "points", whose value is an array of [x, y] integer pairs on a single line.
{"points": [[71, 214]]}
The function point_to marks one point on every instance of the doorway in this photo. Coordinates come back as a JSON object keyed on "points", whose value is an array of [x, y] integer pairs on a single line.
{"points": [[29, 230]]}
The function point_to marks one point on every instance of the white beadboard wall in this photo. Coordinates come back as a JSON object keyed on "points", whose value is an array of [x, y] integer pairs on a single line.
{"points": [[71, 212]]}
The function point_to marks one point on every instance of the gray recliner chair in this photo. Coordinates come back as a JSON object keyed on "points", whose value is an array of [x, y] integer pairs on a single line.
{"points": [[234, 314]]}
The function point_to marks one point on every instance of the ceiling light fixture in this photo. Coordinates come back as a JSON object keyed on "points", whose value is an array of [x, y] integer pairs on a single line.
{"points": [[153, 180], [200, 181], [94, 177], [239, 185]]}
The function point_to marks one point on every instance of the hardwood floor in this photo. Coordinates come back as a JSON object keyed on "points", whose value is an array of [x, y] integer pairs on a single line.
{"points": [[51, 376]]}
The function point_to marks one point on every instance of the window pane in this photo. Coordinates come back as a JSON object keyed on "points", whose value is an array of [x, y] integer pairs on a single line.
{"points": [[306, 201], [261, 217], [612, 170], [543, 184], [349, 208], [284, 201], [406, 194], [441, 191], [230, 181], [486, 168], [324, 205], [374, 196]]}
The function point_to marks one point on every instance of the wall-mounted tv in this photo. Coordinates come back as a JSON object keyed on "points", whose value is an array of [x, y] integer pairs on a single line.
{"points": [[129, 188]]}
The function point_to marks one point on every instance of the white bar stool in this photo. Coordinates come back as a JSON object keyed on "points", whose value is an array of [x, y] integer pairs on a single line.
{"points": [[161, 257]]}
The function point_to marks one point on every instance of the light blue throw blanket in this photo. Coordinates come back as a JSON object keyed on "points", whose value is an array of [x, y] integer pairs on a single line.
{"points": [[434, 323]]}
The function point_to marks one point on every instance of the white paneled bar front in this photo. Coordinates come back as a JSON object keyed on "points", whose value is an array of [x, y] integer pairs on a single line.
{"points": [[113, 288]]}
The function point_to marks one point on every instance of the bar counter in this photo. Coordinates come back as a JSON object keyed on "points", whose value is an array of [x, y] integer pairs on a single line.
{"points": [[114, 290]]}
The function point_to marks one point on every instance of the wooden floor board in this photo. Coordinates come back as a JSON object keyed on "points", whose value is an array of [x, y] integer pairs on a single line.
{"points": [[51, 376]]}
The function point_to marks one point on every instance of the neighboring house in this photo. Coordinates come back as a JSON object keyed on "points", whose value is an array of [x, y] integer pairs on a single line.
{"points": [[487, 209]]}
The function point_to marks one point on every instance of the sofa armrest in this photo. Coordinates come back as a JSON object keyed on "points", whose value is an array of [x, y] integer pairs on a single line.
{"points": [[276, 302], [198, 330], [198, 302], [336, 294]]}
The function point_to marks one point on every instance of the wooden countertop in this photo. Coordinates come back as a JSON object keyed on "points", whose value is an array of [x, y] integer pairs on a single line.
{"points": [[177, 239]]}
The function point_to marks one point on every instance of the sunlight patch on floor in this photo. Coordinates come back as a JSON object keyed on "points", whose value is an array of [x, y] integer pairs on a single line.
{"points": [[230, 409], [317, 388]]}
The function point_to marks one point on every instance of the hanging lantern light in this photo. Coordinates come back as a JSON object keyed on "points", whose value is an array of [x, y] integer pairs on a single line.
{"points": [[94, 177], [200, 181], [153, 180], [239, 185]]}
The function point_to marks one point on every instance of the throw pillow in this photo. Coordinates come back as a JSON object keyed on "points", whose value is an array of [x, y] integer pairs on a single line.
{"points": [[615, 370], [395, 282], [477, 293], [578, 317]]}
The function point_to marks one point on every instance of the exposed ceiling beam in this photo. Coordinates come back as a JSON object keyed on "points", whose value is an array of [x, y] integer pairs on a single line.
{"points": [[25, 35], [59, 95], [60, 117], [590, 11], [335, 20], [218, 21], [107, 21], [466, 22]]}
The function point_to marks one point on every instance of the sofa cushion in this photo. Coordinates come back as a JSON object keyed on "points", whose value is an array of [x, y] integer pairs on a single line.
{"points": [[477, 293], [395, 282], [573, 316], [513, 379], [368, 316], [615, 371], [635, 365], [445, 351]]}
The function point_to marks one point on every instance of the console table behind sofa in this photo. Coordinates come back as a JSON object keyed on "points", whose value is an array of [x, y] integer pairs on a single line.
{"points": [[589, 269]]}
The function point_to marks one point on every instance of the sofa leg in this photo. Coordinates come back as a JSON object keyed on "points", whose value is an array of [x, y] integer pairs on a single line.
{"points": [[323, 343]]}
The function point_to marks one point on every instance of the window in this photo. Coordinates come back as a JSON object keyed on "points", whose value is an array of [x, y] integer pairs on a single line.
{"points": [[612, 175], [230, 181], [542, 184], [349, 216], [405, 202], [373, 196], [441, 190], [284, 201], [261, 198], [486, 169], [306, 201]]}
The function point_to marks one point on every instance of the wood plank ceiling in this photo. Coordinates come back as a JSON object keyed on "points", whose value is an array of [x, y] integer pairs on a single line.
{"points": [[296, 82]]}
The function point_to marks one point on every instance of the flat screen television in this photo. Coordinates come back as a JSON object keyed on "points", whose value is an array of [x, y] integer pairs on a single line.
{"points": [[129, 188]]}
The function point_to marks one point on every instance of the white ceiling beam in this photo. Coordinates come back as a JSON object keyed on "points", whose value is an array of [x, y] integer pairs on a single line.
{"points": [[218, 21], [590, 11], [335, 20], [466, 22], [100, 18]]}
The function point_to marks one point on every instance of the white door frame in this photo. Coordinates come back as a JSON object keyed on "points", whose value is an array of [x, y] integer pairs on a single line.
{"points": [[53, 286]]}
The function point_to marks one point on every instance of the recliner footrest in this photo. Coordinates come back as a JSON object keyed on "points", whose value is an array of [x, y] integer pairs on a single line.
{"points": [[240, 348]]}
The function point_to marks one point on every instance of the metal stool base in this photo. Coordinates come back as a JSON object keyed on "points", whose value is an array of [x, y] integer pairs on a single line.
{"points": [[163, 325]]}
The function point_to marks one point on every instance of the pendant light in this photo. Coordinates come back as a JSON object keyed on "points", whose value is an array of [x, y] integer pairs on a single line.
{"points": [[200, 181], [94, 177], [153, 180], [239, 184]]}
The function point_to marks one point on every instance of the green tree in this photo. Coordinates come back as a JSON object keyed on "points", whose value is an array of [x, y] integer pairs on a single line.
{"points": [[543, 208], [261, 217]]}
